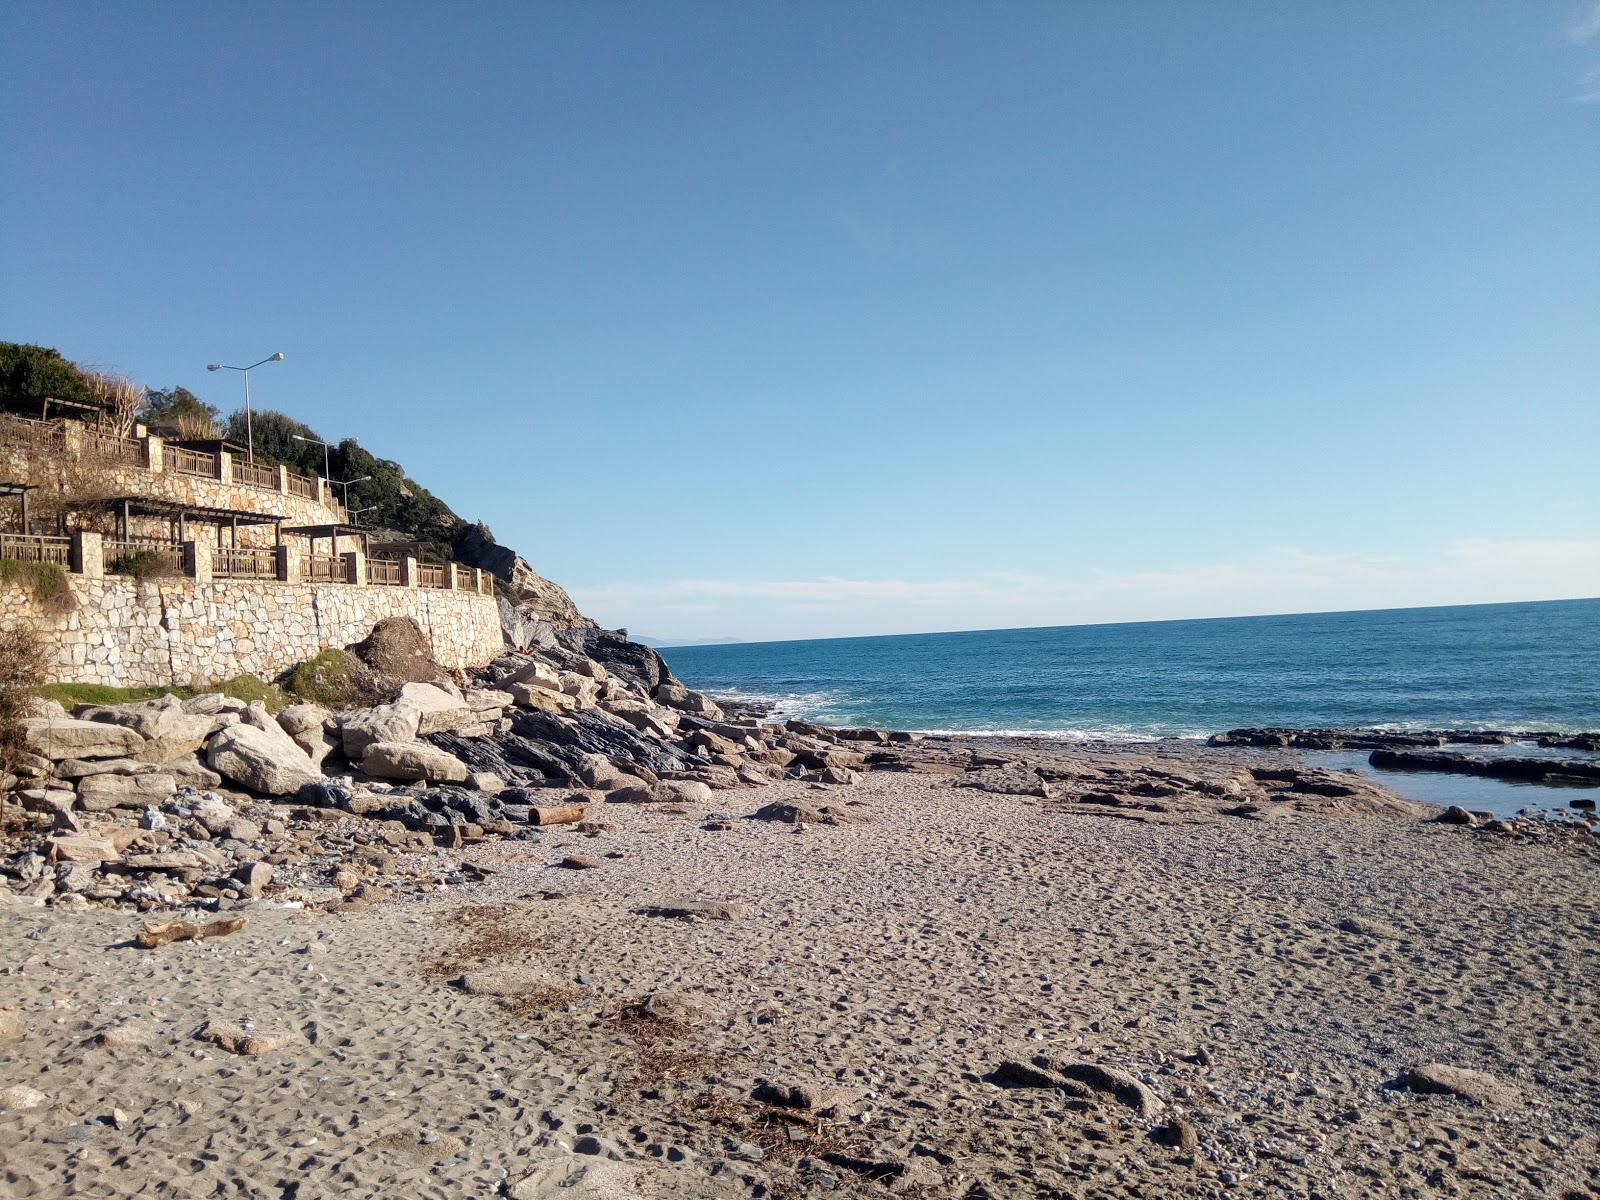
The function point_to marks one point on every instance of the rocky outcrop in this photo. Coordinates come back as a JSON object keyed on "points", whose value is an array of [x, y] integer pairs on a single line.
{"points": [[535, 609]]}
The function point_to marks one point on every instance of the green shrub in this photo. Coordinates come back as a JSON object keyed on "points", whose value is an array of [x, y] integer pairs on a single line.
{"points": [[45, 582], [30, 373], [333, 679], [142, 565]]}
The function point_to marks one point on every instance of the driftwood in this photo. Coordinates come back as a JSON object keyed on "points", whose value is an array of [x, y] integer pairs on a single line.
{"points": [[557, 814], [154, 936]]}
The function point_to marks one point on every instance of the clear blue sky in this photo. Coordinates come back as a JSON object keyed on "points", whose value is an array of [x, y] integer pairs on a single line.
{"points": [[763, 320]]}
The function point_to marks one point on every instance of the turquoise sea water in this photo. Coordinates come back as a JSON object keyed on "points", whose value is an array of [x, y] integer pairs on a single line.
{"points": [[1493, 666]]}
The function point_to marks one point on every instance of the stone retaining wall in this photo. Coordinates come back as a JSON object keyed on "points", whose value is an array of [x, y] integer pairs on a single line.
{"points": [[132, 634]]}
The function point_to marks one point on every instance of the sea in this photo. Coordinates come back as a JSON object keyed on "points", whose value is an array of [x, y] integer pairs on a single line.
{"points": [[1530, 666]]}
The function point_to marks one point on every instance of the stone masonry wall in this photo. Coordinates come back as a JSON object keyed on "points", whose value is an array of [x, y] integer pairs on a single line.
{"points": [[132, 634]]}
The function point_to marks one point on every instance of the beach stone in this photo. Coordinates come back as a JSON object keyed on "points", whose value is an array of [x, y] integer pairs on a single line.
{"points": [[413, 760], [502, 981], [708, 910], [236, 1039], [1456, 815], [580, 862], [21, 1098], [12, 1026], [823, 1100], [397, 722], [1179, 1134], [100, 793], [189, 773], [82, 848], [72, 877], [254, 875], [124, 1036], [598, 772], [1364, 927], [486, 782], [57, 738], [537, 696], [1118, 1083], [264, 761], [215, 813], [1477, 1086], [795, 813]]}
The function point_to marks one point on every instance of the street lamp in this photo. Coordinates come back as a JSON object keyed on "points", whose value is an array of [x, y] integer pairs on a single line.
{"points": [[354, 513], [325, 471], [249, 426], [345, 484]]}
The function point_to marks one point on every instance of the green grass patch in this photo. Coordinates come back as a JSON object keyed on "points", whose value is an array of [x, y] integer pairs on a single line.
{"points": [[248, 688], [68, 694], [251, 688]]}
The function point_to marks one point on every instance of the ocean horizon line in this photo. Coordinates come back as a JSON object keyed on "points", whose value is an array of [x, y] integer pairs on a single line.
{"points": [[741, 643]]}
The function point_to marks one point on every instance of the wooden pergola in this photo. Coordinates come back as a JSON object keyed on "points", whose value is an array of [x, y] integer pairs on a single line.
{"points": [[182, 515], [20, 491]]}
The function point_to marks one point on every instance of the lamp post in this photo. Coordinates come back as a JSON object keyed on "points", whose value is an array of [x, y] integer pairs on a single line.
{"points": [[249, 424], [345, 484], [353, 515], [318, 441]]}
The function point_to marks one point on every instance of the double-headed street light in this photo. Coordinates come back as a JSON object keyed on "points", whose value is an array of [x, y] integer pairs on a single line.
{"points": [[249, 425]]}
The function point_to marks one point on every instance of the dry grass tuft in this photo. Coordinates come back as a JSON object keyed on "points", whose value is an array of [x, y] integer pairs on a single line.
{"points": [[770, 1128], [23, 664], [489, 937], [542, 1000]]}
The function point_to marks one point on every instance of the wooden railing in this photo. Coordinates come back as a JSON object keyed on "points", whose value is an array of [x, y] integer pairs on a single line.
{"points": [[142, 555], [384, 572], [432, 575], [299, 485], [193, 462], [37, 548], [256, 476], [109, 446], [28, 432], [244, 562], [325, 568]]}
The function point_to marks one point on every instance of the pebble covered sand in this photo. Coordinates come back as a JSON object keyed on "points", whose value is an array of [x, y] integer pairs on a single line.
{"points": [[1218, 1008]]}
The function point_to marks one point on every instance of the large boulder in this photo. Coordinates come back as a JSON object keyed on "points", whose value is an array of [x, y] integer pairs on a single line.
{"points": [[262, 762], [675, 695], [56, 738], [169, 731], [440, 710], [413, 760], [528, 695], [313, 728], [397, 722], [535, 673], [97, 793]]}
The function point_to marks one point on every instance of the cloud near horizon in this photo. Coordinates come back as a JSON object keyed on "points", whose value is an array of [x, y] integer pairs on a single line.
{"points": [[1469, 571]]}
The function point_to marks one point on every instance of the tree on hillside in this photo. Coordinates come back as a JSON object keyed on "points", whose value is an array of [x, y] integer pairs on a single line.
{"points": [[274, 434], [178, 412], [29, 374]]}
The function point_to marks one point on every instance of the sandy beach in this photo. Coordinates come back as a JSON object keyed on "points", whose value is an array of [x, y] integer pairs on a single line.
{"points": [[949, 993]]}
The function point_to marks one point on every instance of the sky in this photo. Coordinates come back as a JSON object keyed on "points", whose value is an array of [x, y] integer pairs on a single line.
{"points": [[756, 320]]}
